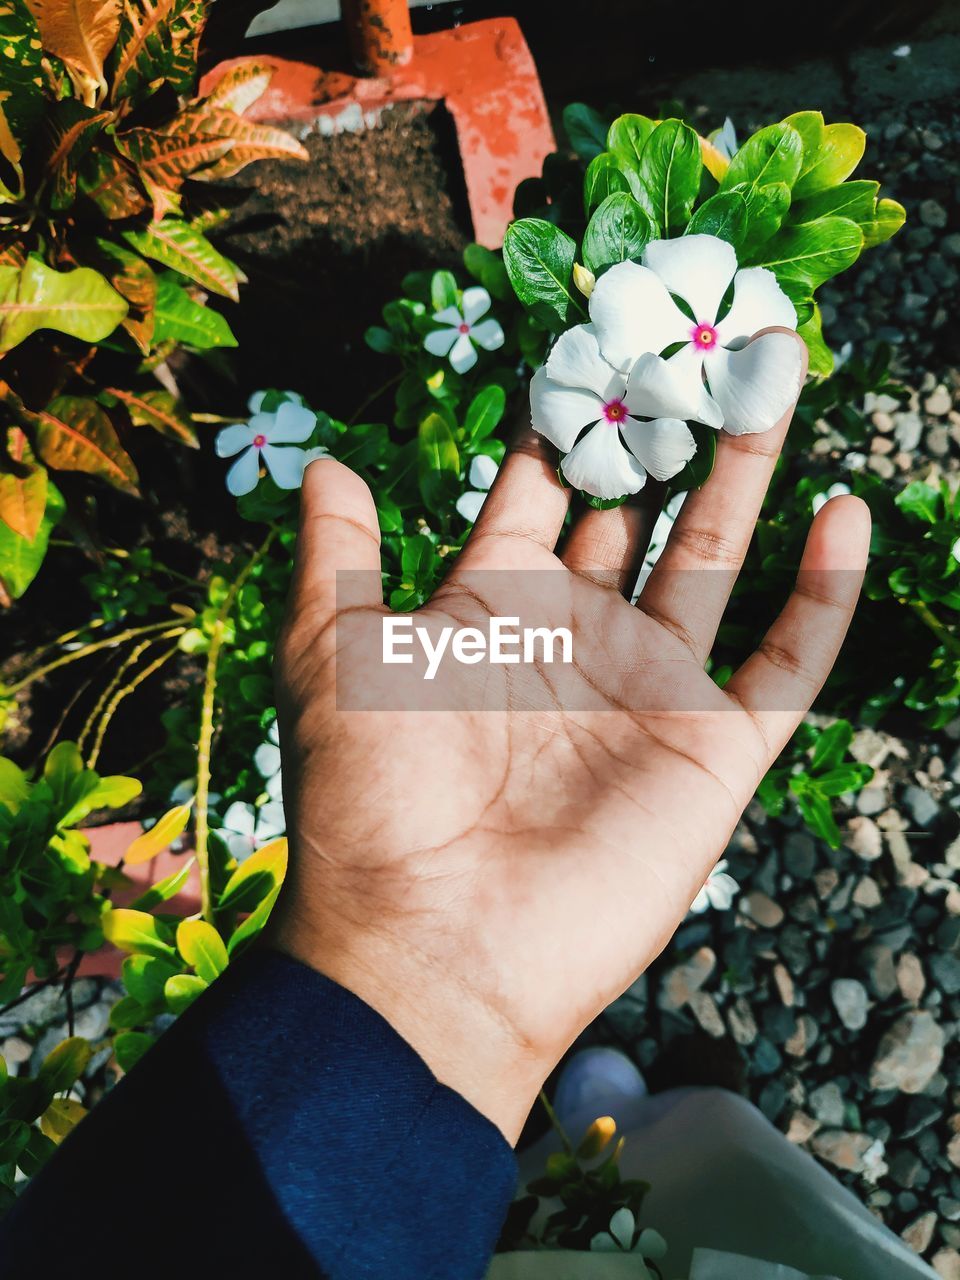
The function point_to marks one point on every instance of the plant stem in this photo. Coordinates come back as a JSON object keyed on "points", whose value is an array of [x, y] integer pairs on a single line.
{"points": [[939, 629], [132, 633], [205, 740], [558, 1127], [128, 688]]}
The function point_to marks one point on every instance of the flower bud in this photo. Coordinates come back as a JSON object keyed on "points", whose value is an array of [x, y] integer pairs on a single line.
{"points": [[596, 1138], [584, 279]]}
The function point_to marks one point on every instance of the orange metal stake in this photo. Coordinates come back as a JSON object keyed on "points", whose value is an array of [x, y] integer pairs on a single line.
{"points": [[379, 33]]}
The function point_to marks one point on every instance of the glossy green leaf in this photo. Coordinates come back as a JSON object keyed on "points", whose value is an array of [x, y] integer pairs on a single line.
{"points": [[814, 251], [484, 413], [627, 137], [14, 787], [487, 267], [766, 209], [831, 745], [698, 470], [830, 154], [165, 889], [586, 130], [443, 290], [773, 154], [256, 876], [181, 991], [724, 215], [890, 217], [65, 1064], [80, 303], [539, 260], [130, 1046], [603, 178], [158, 837], [854, 200], [438, 462], [202, 947], [248, 930], [178, 318], [174, 243], [617, 232], [670, 169], [820, 357], [136, 932], [145, 977]]}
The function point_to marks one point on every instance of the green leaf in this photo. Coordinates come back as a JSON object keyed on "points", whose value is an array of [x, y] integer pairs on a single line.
{"points": [[161, 410], [604, 176], [23, 99], [176, 244], [890, 217], [830, 158], [157, 41], [697, 471], [818, 815], [814, 251], [438, 463], [14, 787], [627, 137], [670, 169], [129, 1012], [179, 318], [766, 209], [843, 778], [114, 791], [61, 768], [80, 303], [921, 501], [586, 130], [617, 232], [831, 745], [854, 200], [484, 413], [23, 489], [135, 932], [773, 154], [163, 832], [820, 357], [443, 290], [145, 977], [202, 947], [21, 558], [724, 215], [488, 268], [130, 1047], [255, 877], [65, 1064], [245, 933], [71, 129], [74, 434], [539, 260], [181, 991]]}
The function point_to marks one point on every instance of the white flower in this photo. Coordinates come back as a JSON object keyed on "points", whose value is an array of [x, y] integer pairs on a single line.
{"points": [[267, 761], [456, 339], [245, 828], [483, 472], [639, 425], [658, 541], [835, 491], [185, 792], [725, 139], [748, 388], [291, 423], [719, 891]]}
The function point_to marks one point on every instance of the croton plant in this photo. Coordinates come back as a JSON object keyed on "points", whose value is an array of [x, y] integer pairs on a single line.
{"points": [[104, 257]]}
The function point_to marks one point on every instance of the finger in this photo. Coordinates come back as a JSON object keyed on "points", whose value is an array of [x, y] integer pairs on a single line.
{"points": [[339, 534], [609, 546], [778, 683], [527, 501], [688, 589]]}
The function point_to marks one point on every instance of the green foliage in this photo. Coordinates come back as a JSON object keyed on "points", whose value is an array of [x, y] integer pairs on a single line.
{"points": [[813, 771]]}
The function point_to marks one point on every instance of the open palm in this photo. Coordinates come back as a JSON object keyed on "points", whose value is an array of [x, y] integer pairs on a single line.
{"points": [[490, 877]]}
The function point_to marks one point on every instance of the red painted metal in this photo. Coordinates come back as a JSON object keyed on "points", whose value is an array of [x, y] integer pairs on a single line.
{"points": [[484, 74], [379, 33]]}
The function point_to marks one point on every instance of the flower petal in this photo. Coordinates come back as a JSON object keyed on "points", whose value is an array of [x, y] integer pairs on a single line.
{"points": [[232, 439], [600, 465], [255, 402], [293, 424], [634, 313], [267, 759], [449, 315], [244, 474], [755, 386], [696, 268], [240, 847], [476, 303], [271, 821], [575, 360], [658, 388], [285, 465], [721, 890], [273, 733], [463, 355], [469, 504], [560, 413], [439, 341], [664, 446], [689, 364], [488, 333], [239, 818], [758, 302], [274, 787], [483, 471]]}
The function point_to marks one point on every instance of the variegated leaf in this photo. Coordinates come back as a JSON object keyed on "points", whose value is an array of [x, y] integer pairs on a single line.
{"points": [[157, 41], [160, 410], [135, 280], [74, 434], [249, 142], [180, 319], [164, 160], [13, 252], [111, 183], [80, 303], [79, 32], [72, 130], [11, 170], [175, 244], [22, 76], [240, 86], [23, 489]]}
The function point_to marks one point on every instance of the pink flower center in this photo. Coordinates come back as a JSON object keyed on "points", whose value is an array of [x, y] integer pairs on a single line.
{"points": [[259, 441], [464, 328], [615, 411], [704, 337]]}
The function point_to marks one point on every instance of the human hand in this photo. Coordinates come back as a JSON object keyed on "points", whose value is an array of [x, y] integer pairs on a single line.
{"points": [[490, 881]]}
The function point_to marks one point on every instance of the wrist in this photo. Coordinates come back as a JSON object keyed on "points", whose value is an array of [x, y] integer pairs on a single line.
{"points": [[466, 1043]]}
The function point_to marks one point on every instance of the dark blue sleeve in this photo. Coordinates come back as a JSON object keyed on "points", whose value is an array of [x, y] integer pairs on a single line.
{"points": [[281, 1128]]}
